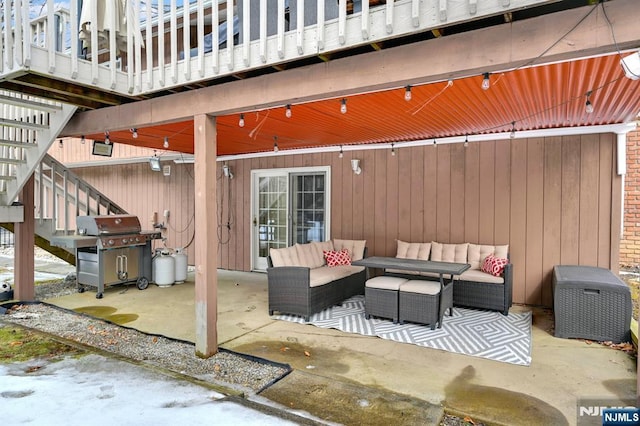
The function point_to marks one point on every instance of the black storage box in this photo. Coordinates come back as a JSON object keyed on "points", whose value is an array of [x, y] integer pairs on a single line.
{"points": [[590, 303]]}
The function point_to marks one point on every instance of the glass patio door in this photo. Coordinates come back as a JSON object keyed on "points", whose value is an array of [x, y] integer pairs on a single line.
{"points": [[289, 206]]}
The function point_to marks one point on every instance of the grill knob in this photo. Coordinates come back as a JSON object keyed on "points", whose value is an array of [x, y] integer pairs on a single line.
{"points": [[137, 239], [125, 241], [111, 242]]}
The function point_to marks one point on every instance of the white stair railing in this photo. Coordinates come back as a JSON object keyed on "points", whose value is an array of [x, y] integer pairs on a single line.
{"points": [[61, 196]]}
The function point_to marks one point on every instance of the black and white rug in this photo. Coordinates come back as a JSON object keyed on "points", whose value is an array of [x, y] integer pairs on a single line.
{"points": [[484, 334]]}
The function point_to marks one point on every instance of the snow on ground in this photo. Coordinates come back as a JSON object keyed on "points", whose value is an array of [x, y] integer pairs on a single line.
{"points": [[98, 391]]}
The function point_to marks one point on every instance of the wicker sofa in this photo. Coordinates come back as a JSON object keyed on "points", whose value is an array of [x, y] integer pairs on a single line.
{"points": [[301, 283], [473, 288]]}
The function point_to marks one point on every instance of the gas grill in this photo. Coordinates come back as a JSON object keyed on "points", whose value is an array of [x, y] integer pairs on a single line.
{"points": [[110, 250]]}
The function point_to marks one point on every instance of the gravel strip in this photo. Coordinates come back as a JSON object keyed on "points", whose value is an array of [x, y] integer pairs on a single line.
{"points": [[224, 368]]}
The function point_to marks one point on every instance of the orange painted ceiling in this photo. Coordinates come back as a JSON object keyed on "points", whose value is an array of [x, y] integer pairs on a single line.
{"points": [[541, 97]]}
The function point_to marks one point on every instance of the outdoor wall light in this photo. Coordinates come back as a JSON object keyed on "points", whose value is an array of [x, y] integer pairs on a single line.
{"points": [[355, 166], [154, 163], [226, 170]]}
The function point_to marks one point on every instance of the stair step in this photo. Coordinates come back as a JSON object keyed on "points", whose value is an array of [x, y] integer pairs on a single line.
{"points": [[7, 142], [12, 161], [40, 106], [22, 124], [7, 178]]}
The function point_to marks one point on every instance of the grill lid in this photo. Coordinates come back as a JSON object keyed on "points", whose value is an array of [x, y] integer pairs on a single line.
{"points": [[108, 225]]}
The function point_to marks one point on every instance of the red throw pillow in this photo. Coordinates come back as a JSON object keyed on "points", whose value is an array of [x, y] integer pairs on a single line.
{"points": [[337, 258], [494, 265]]}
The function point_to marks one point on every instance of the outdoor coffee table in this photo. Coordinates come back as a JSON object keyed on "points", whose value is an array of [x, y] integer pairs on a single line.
{"points": [[444, 300]]}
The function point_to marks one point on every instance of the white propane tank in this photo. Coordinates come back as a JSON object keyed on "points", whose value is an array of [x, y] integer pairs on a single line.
{"points": [[181, 265], [163, 269]]}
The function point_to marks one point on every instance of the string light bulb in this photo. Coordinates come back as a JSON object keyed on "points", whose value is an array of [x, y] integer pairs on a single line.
{"points": [[341, 153], [512, 135], [486, 81], [343, 106], [134, 133], [466, 141], [82, 140], [434, 142], [61, 143], [106, 138], [393, 151], [275, 144], [165, 144], [287, 112], [588, 106], [407, 93], [241, 121]]}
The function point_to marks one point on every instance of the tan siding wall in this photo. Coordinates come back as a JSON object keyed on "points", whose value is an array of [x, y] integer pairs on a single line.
{"points": [[142, 192], [551, 199], [554, 200]]}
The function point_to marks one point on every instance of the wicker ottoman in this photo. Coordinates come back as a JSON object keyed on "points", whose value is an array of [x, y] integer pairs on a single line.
{"points": [[381, 297], [590, 303], [420, 301]]}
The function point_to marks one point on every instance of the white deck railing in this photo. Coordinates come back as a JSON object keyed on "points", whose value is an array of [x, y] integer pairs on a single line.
{"points": [[156, 51]]}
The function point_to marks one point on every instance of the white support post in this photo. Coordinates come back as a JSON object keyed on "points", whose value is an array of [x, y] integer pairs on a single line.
{"points": [[161, 67], [280, 36], [215, 42], [18, 39], [174, 42], [342, 20], [137, 38], [246, 32], [300, 27], [415, 12], [442, 10], [51, 45], [28, 35], [73, 28], [113, 45], [149, 44], [389, 16], [263, 30], [230, 34], [364, 16], [473, 7], [186, 40], [94, 42], [200, 24], [130, 64], [320, 25]]}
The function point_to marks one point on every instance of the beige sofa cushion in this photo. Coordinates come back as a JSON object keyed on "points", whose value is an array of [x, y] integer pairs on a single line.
{"points": [[325, 275], [479, 276], [421, 287], [310, 255], [413, 250], [385, 283], [449, 252], [477, 253], [355, 247], [287, 256]]}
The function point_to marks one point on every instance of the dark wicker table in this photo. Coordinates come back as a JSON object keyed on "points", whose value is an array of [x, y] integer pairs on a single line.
{"points": [[415, 307]]}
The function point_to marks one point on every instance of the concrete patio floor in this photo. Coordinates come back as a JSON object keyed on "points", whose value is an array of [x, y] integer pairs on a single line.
{"points": [[351, 379]]}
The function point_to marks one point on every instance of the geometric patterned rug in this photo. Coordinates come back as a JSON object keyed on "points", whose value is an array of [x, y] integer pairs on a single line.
{"points": [[484, 334]]}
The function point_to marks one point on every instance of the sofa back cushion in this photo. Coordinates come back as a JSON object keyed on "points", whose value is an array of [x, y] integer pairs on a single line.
{"points": [[311, 254], [355, 247], [413, 250], [478, 253], [449, 252], [287, 256]]}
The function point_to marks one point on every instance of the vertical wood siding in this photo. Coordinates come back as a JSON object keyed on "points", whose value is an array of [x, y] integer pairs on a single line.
{"points": [[554, 200]]}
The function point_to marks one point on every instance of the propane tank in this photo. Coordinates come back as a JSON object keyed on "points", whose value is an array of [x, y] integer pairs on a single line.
{"points": [[181, 266], [163, 269]]}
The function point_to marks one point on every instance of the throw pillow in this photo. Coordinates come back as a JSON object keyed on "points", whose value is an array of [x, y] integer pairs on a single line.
{"points": [[494, 265], [337, 258]]}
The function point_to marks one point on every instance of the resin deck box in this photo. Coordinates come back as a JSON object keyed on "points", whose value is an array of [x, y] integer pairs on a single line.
{"points": [[590, 303]]}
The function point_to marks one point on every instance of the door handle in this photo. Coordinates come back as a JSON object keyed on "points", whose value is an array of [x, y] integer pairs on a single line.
{"points": [[255, 221]]}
